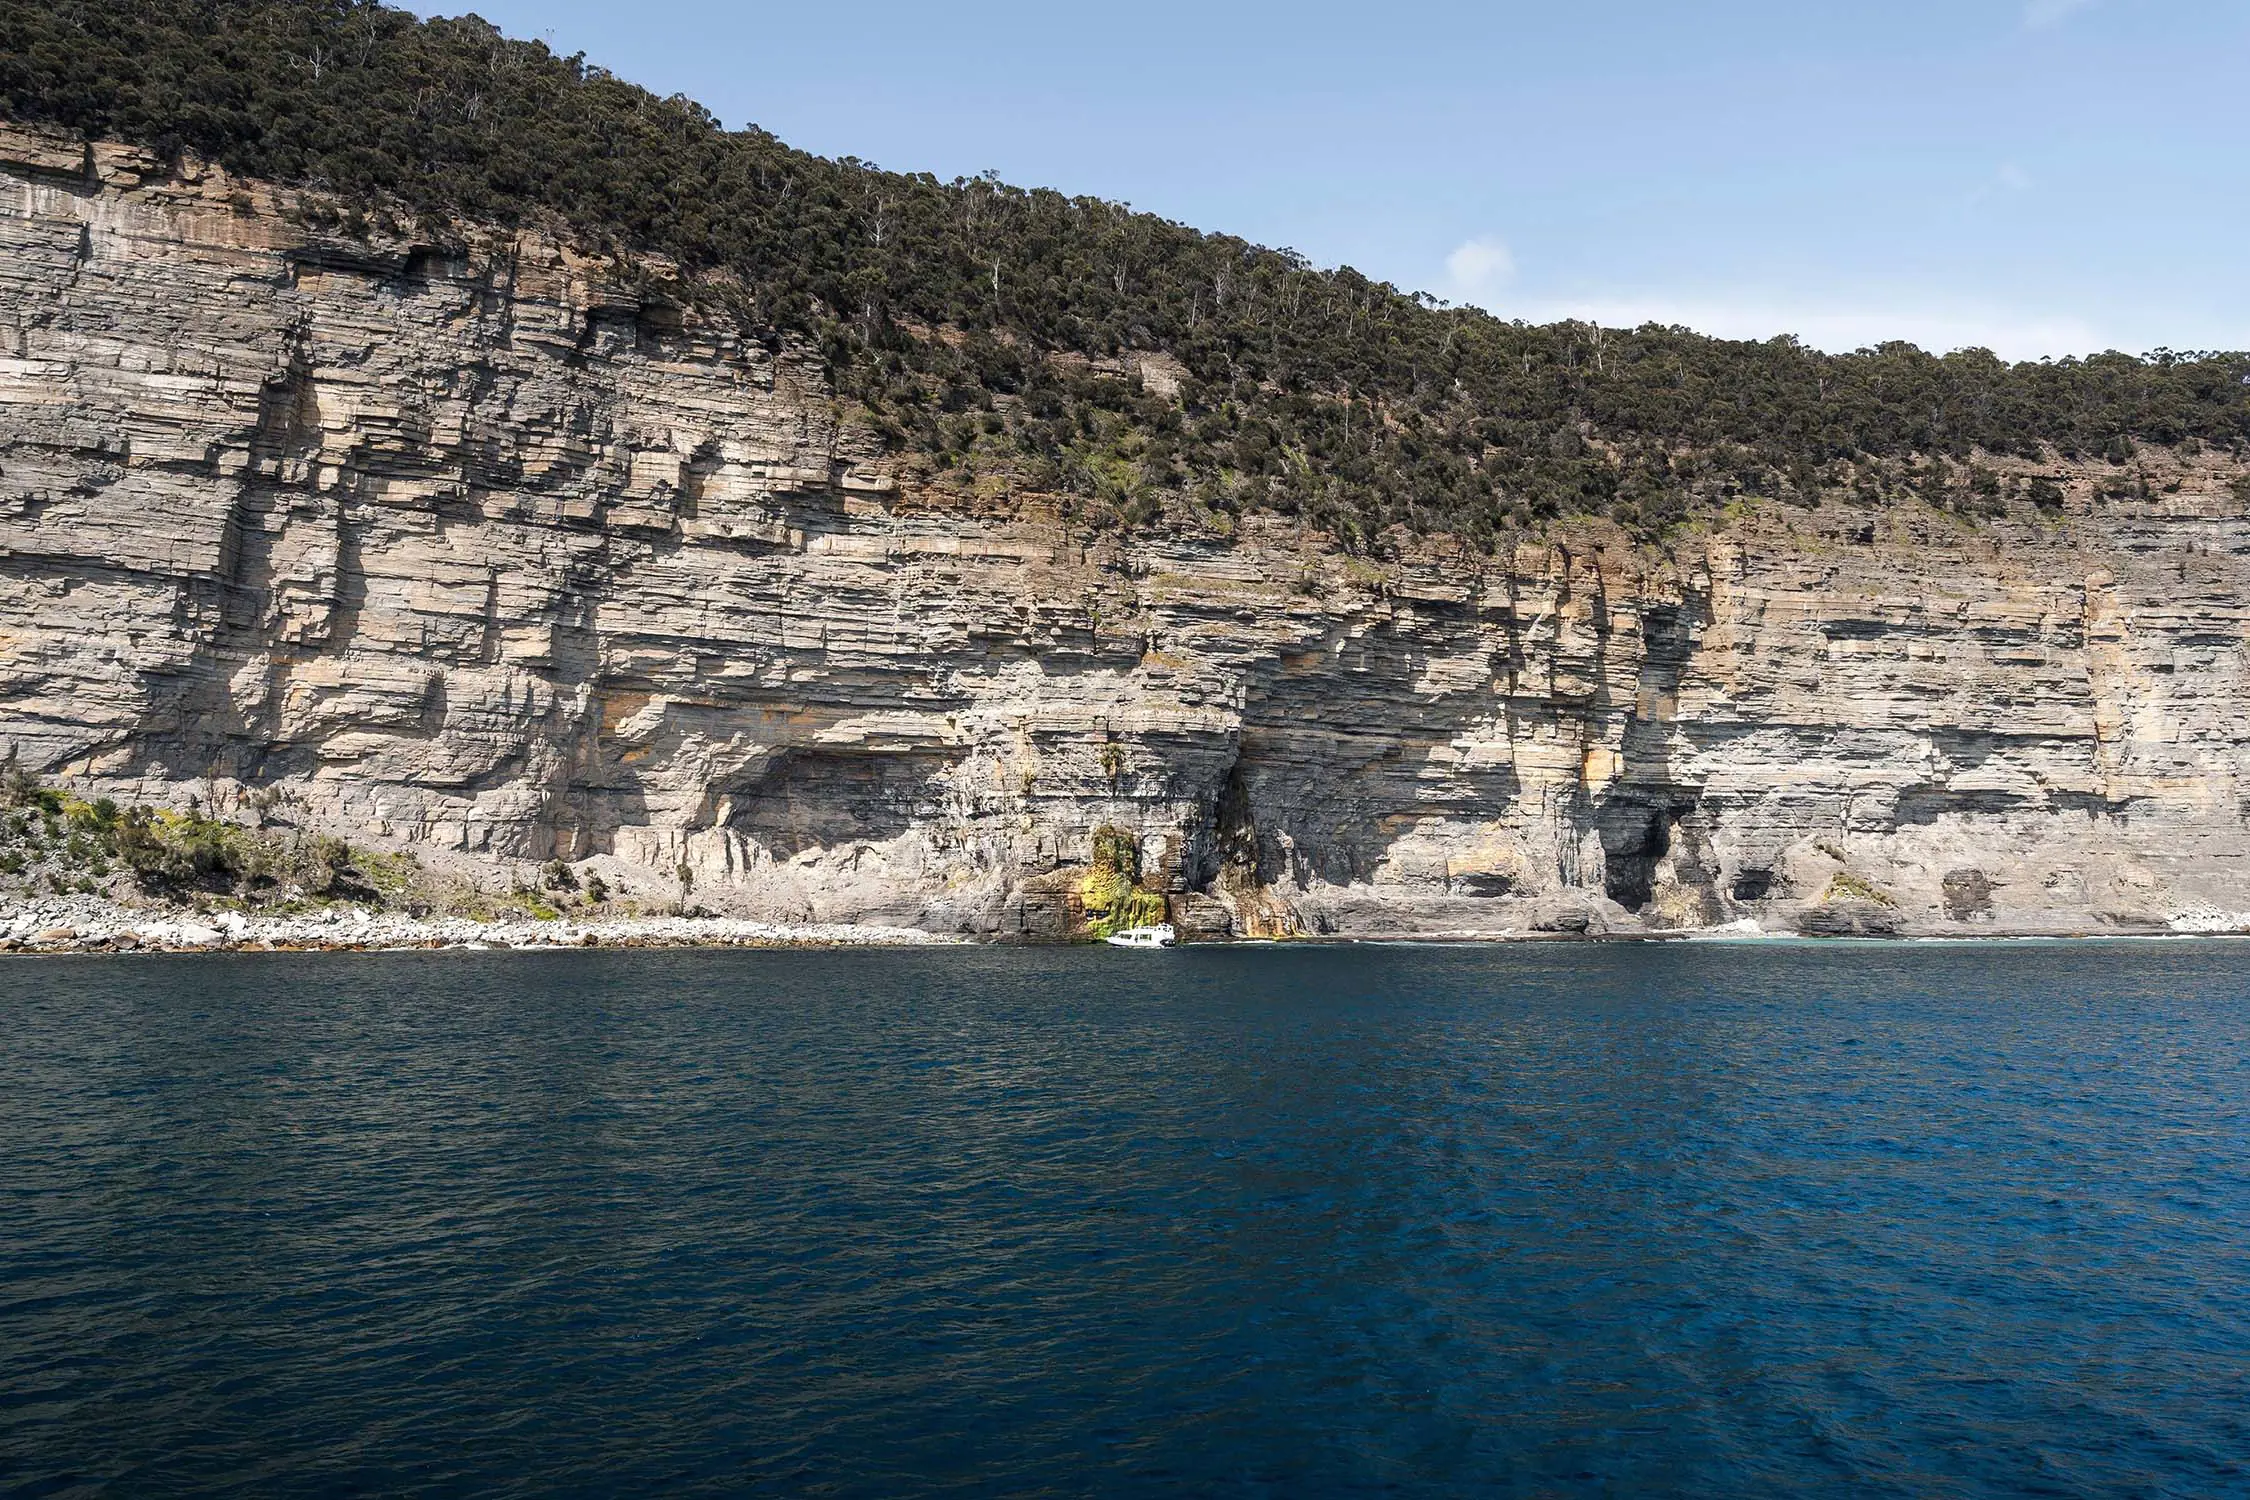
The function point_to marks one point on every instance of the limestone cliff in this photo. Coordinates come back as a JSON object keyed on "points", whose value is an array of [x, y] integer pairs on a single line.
{"points": [[483, 545]]}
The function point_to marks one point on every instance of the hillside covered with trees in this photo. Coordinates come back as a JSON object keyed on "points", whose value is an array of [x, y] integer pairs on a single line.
{"points": [[951, 310]]}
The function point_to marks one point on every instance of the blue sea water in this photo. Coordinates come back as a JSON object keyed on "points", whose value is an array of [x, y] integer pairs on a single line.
{"points": [[1693, 1220]]}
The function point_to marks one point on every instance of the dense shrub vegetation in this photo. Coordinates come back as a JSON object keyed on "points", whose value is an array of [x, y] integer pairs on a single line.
{"points": [[54, 842], [942, 306], [58, 841]]}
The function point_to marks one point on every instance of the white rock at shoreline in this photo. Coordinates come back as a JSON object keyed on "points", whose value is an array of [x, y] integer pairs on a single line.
{"points": [[92, 922], [2208, 919]]}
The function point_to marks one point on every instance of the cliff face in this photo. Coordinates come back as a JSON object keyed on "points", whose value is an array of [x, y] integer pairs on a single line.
{"points": [[500, 549]]}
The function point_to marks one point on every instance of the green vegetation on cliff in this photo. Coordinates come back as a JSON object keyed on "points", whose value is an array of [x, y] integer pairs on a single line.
{"points": [[56, 843], [1111, 892], [996, 332]]}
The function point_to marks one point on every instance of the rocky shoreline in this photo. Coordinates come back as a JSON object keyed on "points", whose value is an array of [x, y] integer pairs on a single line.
{"points": [[95, 926], [92, 925]]}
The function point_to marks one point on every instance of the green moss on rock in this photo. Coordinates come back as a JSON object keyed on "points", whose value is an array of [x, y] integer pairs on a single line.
{"points": [[1110, 893]]}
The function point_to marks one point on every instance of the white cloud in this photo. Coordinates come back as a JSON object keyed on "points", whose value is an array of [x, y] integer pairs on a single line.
{"points": [[2040, 14], [2010, 334], [1477, 269], [2009, 181]]}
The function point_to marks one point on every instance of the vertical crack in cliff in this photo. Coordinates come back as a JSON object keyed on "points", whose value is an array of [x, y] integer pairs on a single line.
{"points": [[1649, 821], [1246, 866]]}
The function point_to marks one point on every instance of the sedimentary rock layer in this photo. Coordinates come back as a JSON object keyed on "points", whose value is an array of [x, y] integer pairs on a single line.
{"points": [[488, 545]]}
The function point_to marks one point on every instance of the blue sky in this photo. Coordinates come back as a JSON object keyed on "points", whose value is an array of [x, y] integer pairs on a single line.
{"points": [[2036, 176]]}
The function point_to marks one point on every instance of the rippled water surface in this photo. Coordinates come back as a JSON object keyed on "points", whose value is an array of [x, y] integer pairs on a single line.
{"points": [[1684, 1220]]}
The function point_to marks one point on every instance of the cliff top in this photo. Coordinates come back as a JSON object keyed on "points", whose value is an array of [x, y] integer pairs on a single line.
{"points": [[1068, 345]]}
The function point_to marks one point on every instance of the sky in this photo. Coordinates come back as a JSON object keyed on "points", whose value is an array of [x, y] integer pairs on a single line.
{"points": [[2037, 177]]}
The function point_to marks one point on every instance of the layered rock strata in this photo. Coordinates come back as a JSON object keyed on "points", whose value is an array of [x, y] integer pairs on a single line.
{"points": [[490, 546]]}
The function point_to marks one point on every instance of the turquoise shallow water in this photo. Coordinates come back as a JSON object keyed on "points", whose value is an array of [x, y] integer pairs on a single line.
{"points": [[1699, 1220]]}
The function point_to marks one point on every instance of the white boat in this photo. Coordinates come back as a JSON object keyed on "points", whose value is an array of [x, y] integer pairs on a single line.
{"points": [[1159, 936]]}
